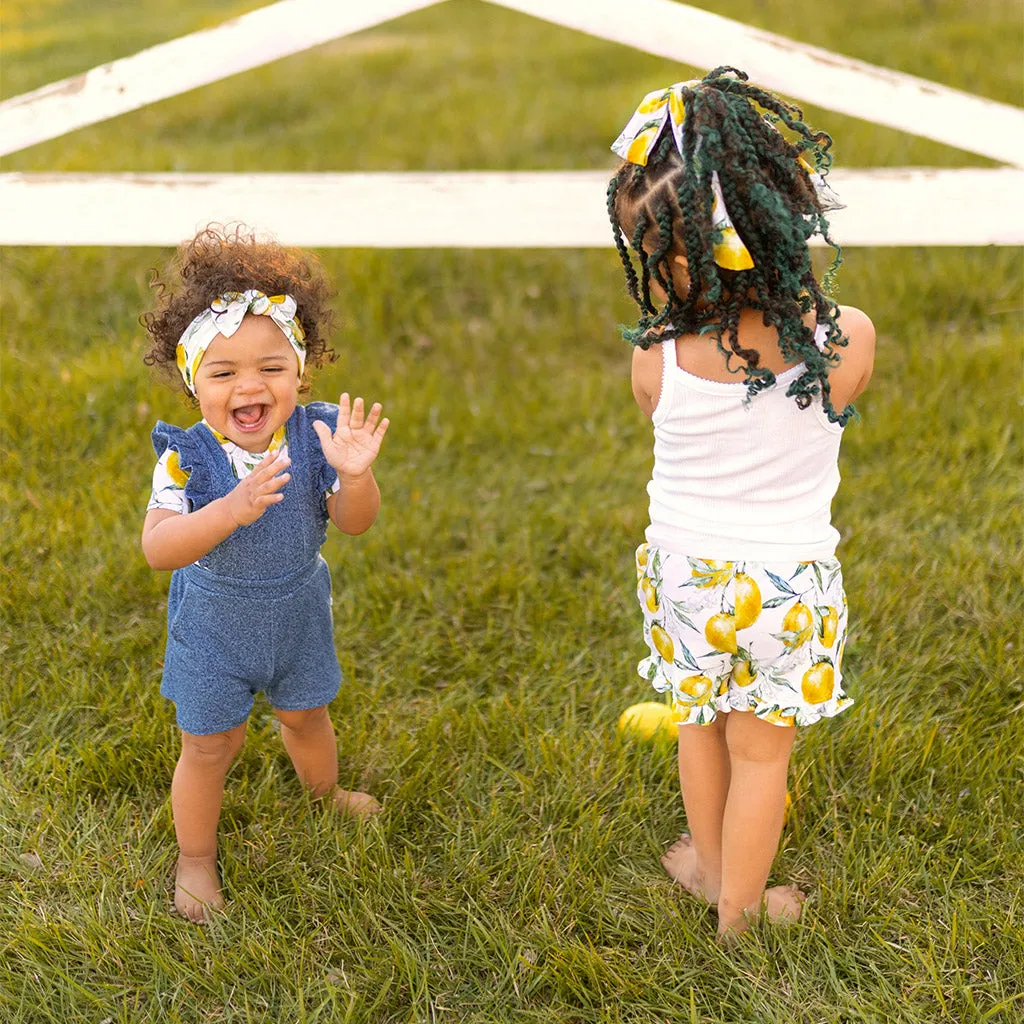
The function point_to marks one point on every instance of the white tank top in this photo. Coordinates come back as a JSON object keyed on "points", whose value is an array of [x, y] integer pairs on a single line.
{"points": [[736, 479]]}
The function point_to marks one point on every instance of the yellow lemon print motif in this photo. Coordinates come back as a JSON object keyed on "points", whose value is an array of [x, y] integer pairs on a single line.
{"points": [[818, 683], [839, 655], [640, 147], [798, 622], [744, 673], [642, 558], [748, 601], [776, 717], [663, 643], [720, 632], [829, 624], [174, 470], [696, 691], [676, 108], [731, 253], [723, 686], [277, 440], [653, 102], [650, 594]]}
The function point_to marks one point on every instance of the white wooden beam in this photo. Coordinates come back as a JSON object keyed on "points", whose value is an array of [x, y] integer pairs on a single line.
{"points": [[180, 65], [808, 73], [541, 209]]}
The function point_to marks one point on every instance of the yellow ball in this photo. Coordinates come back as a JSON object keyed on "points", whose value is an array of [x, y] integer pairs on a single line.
{"points": [[647, 721]]}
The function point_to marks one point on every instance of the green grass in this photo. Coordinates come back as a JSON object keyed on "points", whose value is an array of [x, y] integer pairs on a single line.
{"points": [[486, 625]]}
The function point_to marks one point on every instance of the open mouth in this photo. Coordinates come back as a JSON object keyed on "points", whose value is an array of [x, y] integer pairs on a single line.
{"points": [[250, 418]]}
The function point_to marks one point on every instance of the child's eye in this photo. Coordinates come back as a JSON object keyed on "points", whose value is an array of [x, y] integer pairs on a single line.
{"points": [[273, 369], [221, 374]]}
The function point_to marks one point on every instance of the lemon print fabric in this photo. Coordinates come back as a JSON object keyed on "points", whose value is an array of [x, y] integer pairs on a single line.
{"points": [[746, 636]]}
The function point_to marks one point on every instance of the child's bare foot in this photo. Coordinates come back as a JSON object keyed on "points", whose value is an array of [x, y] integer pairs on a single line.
{"points": [[781, 904], [355, 804], [680, 861], [197, 888]]}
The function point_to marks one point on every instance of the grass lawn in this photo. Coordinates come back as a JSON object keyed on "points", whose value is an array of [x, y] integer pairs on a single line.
{"points": [[487, 625]]}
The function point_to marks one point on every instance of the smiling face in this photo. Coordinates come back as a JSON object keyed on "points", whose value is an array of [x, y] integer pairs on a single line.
{"points": [[248, 384]]}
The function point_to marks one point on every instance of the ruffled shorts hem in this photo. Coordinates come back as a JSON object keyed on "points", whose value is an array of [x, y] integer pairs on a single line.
{"points": [[704, 710]]}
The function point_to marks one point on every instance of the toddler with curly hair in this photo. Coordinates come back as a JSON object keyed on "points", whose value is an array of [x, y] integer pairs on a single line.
{"points": [[238, 512]]}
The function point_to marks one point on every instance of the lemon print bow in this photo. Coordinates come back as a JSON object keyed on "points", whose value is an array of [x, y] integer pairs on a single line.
{"points": [[224, 316], [643, 130]]}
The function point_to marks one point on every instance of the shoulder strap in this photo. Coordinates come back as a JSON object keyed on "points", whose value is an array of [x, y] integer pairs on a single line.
{"points": [[668, 377]]}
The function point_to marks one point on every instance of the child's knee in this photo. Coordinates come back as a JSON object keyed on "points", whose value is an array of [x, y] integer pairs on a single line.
{"points": [[214, 750], [308, 720], [751, 739]]}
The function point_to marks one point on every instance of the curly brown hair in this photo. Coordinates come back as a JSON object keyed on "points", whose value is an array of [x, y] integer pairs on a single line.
{"points": [[220, 259]]}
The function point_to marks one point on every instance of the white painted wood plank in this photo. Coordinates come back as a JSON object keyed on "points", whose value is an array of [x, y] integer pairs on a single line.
{"points": [[473, 210], [180, 65], [808, 73]]}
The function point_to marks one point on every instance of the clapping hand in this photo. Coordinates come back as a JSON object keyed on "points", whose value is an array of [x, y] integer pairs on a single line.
{"points": [[251, 497], [352, 448]]}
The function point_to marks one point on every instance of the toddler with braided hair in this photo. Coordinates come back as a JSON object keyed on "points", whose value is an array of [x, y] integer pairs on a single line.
{"points": [[747, 369], [239, 510]]}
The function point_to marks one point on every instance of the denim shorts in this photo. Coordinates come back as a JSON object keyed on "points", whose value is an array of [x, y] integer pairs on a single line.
{"points": [[227, 639], [766, 637]]}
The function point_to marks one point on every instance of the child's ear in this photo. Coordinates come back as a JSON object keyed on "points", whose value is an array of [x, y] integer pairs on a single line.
{"points": [[682, 261]]}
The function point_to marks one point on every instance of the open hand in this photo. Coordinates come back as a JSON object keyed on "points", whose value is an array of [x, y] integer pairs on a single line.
{"points": [[252, 496], [351, 449]]}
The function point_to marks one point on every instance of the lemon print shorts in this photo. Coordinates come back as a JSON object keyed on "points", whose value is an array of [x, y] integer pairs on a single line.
{"points": [[766, 637]]}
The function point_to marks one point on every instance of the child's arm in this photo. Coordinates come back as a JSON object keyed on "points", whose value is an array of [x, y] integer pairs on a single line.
{"points": [[351, 451], [171, 540], [857, 360], [646, 375]]}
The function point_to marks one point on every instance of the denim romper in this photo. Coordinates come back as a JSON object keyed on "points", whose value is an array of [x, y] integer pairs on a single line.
{"points": [[255, 612]]}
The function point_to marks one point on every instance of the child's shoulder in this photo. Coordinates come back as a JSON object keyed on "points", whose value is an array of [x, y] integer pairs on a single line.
{"points": [[857, 325], [647, 372], [857, 359]]}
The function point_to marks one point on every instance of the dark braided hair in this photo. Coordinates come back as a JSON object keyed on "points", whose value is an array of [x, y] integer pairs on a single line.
{"points": [[664, 210]]}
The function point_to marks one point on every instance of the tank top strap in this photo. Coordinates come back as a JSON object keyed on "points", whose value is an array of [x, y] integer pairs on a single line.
{"points": [[668, 378]]}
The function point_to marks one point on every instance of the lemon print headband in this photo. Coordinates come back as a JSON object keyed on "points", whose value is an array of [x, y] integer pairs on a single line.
{"points": [[637, 140], [224, 316]]}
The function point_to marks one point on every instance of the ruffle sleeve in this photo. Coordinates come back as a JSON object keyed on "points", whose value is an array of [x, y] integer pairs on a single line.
{"points": [[324, 474], [193, 459]]}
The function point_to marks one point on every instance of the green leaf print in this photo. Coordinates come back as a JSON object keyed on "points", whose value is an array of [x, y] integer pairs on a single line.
{"points": [[679, 611], [780, 584], [817, 576], [686, 659]]}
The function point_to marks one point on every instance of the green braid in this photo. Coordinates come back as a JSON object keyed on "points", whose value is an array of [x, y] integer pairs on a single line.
{"points": [[627, 262]]}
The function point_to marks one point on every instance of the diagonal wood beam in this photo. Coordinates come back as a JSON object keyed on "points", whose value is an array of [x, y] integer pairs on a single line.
{"points": [[186, 63], [808, 73]]}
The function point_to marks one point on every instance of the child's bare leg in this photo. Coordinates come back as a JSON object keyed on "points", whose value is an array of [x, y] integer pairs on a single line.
{"points": [[695, 860], [197, 791], [309, 739], [759, 759]]}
